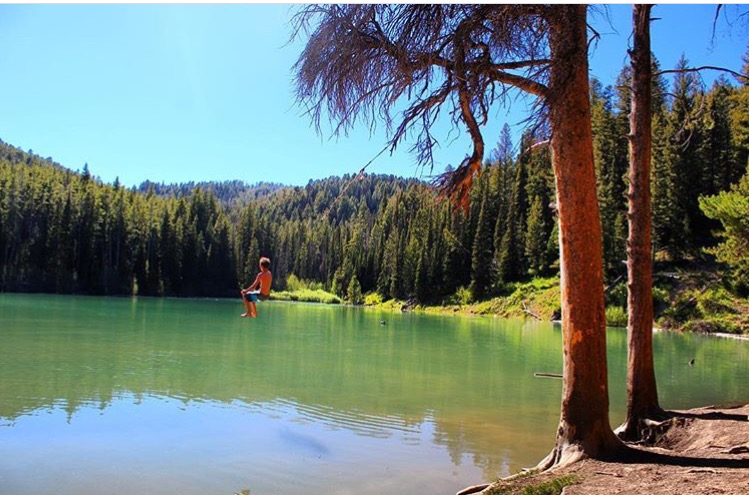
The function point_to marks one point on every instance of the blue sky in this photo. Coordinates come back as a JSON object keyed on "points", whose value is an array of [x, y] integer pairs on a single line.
{"points": [[176, 93]]}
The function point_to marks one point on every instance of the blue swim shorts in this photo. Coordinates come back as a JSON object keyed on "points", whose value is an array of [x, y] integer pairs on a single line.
{"points": [[255, 296]]}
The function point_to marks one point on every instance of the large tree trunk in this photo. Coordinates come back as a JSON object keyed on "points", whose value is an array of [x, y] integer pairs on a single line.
{"points": [[642, 394], [584, 428]]}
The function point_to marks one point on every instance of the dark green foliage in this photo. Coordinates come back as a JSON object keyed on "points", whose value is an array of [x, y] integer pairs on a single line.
{"points": [[63, 231], [731, 209], [610, 130]]}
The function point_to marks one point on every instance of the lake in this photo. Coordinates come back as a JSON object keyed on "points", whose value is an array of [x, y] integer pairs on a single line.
{"points": [[176, 396]]}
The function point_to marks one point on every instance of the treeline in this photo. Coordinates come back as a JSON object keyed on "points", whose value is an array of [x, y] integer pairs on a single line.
{"points": [[700, 148], [67, 232], [229, 193]]}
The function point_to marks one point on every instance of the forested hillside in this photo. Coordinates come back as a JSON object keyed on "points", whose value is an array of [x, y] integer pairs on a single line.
{"points": [[229, 193], [62, 231]]}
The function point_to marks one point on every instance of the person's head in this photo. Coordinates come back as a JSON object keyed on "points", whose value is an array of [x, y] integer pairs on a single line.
{"points": [[265, 263]]}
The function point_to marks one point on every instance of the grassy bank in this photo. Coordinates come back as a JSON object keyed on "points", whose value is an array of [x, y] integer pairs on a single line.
{"points": [[685, 299], [306, 295], [538, 298]]}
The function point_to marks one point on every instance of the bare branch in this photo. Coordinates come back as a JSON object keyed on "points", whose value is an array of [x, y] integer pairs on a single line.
{"points": [[361, 62], [539, 144], [525, 84], [735, 74], [715, 22]]}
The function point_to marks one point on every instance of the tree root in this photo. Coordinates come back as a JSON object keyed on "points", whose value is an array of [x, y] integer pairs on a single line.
{"points": [[473, 489], [739, 449], [648, 430]]}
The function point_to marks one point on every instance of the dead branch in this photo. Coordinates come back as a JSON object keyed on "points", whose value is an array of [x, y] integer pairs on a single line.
{"points": [[531, 313], [735, 74], [703, 470], [547, 375]]}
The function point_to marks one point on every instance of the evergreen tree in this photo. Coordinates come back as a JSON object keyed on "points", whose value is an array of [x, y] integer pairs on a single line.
{"points": [[354, 293], [537, 239], [610, 155], [739, 117], [483, 252], [731, 208]]}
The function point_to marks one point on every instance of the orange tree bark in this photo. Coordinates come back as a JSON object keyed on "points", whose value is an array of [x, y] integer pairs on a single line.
{"points": [[584, 428], [359, 59], [642, 393]]}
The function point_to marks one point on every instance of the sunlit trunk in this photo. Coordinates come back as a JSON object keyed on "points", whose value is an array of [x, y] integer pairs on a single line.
{"points": [[584, 428], [642, 394]]}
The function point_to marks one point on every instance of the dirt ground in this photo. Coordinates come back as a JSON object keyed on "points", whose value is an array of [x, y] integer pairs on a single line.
{"points": [[705, 451]]}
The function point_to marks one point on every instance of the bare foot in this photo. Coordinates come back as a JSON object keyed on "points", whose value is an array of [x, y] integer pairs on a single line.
{"points": [[254, 315], [244, 315]]}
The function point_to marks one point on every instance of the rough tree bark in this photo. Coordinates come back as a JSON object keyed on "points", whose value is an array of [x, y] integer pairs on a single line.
{"points": [[584, 428], [365, 58], [642, 393]]}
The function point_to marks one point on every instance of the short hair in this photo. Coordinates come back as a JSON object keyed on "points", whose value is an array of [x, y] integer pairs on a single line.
{"points": [[265, 262]]}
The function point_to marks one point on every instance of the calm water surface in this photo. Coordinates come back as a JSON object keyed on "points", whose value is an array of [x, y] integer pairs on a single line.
{"points": [[115, 396]]}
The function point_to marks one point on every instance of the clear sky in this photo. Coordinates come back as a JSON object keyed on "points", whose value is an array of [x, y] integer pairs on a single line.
{"points": [[181, 92]]}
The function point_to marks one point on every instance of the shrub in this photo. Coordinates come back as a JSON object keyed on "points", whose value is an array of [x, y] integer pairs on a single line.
{"points": [[305, 295], [463, 296], [661, 298], [294, 284], [372, 299], [617, 295], [616, 316]]}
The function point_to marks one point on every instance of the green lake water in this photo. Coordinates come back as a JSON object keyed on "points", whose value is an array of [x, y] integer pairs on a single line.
{"points": [[165, 396]]}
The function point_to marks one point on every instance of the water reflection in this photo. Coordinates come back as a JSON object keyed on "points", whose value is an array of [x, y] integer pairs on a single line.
{"points": [[307, 387]]}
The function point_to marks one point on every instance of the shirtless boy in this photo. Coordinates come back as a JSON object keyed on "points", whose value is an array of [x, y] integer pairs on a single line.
{"points": [[259, 290]]}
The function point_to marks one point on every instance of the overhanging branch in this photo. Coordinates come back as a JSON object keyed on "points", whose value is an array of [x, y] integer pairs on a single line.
{"points": [[735, 74]]}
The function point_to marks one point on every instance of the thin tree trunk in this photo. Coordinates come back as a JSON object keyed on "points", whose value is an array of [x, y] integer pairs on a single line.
{"points": [[642, 394], [584, 428]]}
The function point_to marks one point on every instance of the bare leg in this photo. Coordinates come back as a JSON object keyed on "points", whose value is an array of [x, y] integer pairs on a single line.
{"points": [[253, 313], [247, 307]]}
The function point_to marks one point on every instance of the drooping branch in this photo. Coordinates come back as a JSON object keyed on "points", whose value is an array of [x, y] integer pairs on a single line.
{"points": [[362, 60], [522, 83], [735, 74], [380, 54]]}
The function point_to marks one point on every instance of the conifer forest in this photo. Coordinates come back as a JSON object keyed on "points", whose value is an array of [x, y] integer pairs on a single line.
{"points": [[67, 232]]}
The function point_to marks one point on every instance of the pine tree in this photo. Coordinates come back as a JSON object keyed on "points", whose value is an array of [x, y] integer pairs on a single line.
{"points": [[610, 155], [721, 164], [536, 239], [739, 117], [354, 293], [483, 252], [686, 166]]}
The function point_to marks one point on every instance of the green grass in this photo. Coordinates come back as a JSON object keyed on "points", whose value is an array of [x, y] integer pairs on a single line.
{"points": [[707, 310], [551, 487], [307, 295], [687, 301], [539, 297], [372, 299]]}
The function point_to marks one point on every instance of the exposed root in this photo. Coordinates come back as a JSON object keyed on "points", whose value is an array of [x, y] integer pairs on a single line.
{"points": [[739, 449], [473, 489], [647, 430], [558, 458]]}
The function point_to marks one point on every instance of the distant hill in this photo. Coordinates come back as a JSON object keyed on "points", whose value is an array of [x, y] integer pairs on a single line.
{"points": [[15, 156], [230, 192]]}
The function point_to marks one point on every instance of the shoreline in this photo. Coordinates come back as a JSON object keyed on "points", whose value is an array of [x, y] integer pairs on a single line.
{"points": [[703, 451]]}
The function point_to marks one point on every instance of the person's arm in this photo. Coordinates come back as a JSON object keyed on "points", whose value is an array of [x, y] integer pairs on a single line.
{"points": [[254, 285]]}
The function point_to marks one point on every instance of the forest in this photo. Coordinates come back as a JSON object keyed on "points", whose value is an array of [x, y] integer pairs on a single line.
{"points": [[68, 232]]}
